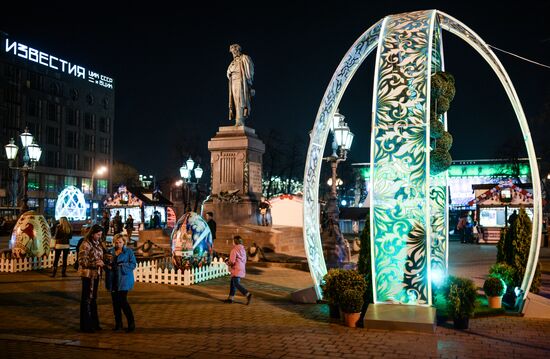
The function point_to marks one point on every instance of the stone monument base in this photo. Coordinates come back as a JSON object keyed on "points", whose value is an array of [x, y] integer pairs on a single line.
{"points": [[244, 212], [401, 317]]}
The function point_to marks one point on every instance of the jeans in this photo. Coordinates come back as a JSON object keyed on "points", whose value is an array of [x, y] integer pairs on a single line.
{"points": [[56, 259], [236, 284], [89, 319], [120, 304]]}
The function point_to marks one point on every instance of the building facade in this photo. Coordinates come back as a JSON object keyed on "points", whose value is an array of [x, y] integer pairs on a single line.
{"points": [[69, 109]]}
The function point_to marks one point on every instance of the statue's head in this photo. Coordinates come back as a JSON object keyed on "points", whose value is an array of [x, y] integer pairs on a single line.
{"points": [[235, 49]]}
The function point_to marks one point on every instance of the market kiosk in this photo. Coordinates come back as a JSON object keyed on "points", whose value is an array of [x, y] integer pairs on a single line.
{"points": [[140, 204], [494, 205]]}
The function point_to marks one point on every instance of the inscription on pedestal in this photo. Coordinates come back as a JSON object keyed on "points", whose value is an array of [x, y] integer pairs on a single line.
{"points": [[255, 173]]}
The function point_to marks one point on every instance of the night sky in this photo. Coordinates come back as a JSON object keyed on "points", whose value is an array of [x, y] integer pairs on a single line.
{"points": [[169, 68]]}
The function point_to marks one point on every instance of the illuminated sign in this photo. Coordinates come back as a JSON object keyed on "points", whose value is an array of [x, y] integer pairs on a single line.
{"points": [[56, 63]]}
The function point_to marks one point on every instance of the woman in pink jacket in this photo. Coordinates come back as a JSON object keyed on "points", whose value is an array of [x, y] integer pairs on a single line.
{"points": [[237, 264]]}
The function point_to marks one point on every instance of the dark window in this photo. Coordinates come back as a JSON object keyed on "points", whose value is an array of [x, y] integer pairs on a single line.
{"points": [[106, 102], [12, 73], [54, 112], [52, 158], [34, 107], [13, 94], [90, 98], [35, 81], [89, 121], [55, 89], [73, 116], [87, 163], [72, 161], [71, 139], [52, 134], [89, 143], [104, 124], [104, 145], [74, 94]]}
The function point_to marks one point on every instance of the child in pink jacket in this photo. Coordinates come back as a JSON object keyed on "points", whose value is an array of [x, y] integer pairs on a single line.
{"points": [[237, 264]]}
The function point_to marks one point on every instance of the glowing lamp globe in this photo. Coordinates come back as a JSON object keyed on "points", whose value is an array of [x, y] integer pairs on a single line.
{"points": [[11, 150], [26, 138]]}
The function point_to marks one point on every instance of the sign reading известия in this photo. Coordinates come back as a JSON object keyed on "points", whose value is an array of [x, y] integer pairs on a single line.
{"points": [[56, 63]]}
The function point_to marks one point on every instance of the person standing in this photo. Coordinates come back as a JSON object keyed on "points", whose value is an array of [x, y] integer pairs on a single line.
{"points": [[105, 221], [240, 74], [90, 262], [63, 235], [212, 225], [119, 280], [237, 265], [117, 223], [129, 226]]}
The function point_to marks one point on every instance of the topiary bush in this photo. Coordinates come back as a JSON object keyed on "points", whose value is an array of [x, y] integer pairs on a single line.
{"points": [[351, 301], [337, 281], [436, 128], [460, 294], [440, 160], [364, 264], [494, 287], [445, 142]]}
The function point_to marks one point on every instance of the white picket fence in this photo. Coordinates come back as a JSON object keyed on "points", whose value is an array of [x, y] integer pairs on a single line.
{"points": [[149, 272], [13, 265]]}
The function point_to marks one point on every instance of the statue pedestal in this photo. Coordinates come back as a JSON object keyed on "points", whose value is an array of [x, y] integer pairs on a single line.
{"points": [[236, 163]]}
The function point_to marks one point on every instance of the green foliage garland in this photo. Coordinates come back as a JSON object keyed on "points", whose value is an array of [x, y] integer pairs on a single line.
{"points": [[442, 94]]}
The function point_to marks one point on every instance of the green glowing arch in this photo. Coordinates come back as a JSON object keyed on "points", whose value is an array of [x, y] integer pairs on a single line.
{"points": [[429, 200]]}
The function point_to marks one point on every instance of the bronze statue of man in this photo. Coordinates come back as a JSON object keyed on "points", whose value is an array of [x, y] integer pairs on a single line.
{"points": [[241, 75]]}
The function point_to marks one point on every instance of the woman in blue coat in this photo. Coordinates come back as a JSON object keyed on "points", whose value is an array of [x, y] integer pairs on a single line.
{"points": [[119, 279]]}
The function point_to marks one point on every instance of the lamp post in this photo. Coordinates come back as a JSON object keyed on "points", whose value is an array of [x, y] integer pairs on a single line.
{"points": [[100, 171], [185, 173], [342, 138], [31, 156]]}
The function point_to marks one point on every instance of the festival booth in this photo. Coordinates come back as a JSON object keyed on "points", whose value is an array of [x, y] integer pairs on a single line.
{"points": [[141, 205], [495, 204], [286, 210]]}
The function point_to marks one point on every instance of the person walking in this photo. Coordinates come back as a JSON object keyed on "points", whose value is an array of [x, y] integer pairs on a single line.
{"points": [[119, 280], [63, 235], [237, 265], [90, 260], [129, 227]]}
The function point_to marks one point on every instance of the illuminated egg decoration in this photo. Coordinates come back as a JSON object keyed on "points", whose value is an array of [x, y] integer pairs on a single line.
{"points": [[191, 242], [171, 220], [71, 204], [31, 236]]}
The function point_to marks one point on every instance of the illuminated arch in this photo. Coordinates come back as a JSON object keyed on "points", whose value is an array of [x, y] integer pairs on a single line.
{"points": [[71, 204], [428, 24]]}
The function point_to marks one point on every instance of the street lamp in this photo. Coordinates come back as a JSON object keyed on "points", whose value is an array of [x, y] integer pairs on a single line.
{"points": [[100, 171], [185, 173], [342, 138], [31, 155]]}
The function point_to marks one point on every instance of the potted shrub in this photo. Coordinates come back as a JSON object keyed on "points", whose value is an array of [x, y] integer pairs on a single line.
{"points": [[330, 292], [460, 294], [351, 302], [507, 273], [494, 290]]}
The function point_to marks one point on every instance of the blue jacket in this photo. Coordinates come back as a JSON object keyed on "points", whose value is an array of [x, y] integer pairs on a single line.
{"points": [[126, 262]]}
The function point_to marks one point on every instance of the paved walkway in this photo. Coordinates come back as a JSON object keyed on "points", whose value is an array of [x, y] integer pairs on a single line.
{"points": [[39, 317]]}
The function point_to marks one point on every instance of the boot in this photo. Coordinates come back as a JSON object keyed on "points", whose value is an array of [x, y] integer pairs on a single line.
{"points": [[131, 326], [118, 326], [64, 271], [53, 272]]}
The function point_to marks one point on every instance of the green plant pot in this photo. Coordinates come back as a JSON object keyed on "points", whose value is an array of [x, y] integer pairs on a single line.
{"points": [[461, 323]]}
